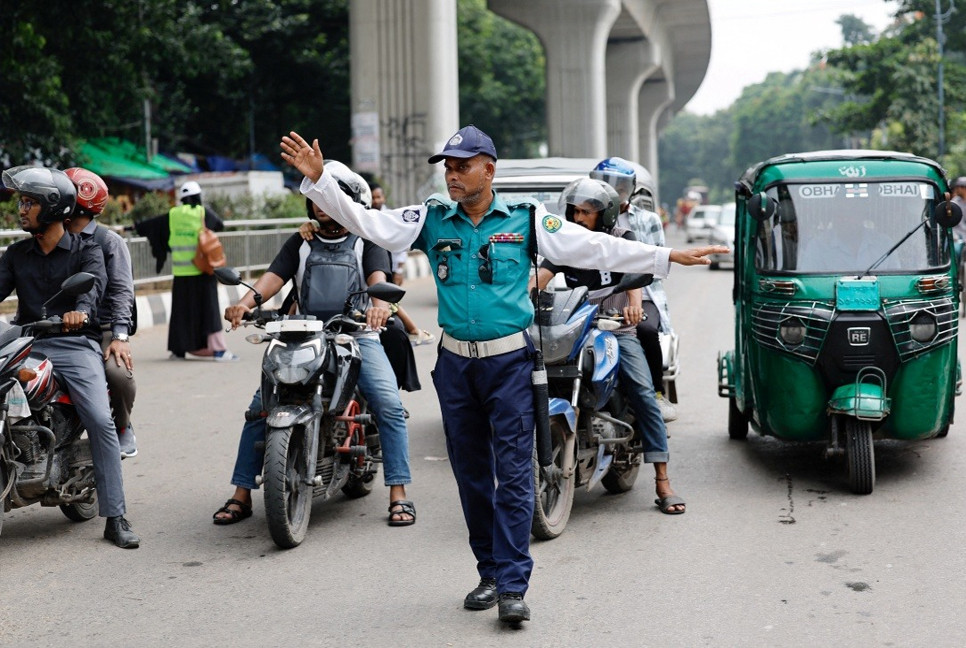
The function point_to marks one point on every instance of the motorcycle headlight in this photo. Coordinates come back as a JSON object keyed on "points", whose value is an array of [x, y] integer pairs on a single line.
{"points": [[922, 328], [792, 331], [295, 363]]}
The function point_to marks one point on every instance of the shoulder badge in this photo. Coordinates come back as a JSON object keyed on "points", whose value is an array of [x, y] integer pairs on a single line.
{"points": [[552, 223], [410, 216]]}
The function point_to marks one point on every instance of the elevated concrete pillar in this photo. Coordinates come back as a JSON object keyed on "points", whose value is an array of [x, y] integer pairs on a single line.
{"points": [[405, 91], [629, 63], [574, 36], [655, 97]]}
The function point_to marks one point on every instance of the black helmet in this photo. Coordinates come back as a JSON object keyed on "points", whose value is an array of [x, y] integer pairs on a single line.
{"points": [[958, 182], [350, 182], [52, 188], [601, 196]]}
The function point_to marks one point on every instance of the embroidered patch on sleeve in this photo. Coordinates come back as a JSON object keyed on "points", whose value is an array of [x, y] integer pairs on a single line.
{"points": [[551, 223], [410, 216]]}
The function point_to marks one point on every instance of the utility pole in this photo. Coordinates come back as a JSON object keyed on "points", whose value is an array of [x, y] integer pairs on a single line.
{"points": [[941, 18]]}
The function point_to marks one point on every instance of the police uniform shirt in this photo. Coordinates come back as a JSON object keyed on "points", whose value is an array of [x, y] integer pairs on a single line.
{"points": [[471, 308]]}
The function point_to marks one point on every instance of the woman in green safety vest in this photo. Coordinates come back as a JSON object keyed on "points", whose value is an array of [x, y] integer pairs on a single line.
{"points": [[194, 327]]}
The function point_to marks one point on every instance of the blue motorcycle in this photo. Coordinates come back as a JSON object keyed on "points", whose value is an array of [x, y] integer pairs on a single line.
{"points": [[592, 433]]}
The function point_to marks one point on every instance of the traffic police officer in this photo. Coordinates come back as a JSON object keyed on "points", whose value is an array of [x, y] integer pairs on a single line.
{"points": [[478, 247]]}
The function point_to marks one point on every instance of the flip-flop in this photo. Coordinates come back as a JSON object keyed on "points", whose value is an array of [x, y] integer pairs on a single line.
{"points": [[234, 515], [666, 504], [401, 507]]}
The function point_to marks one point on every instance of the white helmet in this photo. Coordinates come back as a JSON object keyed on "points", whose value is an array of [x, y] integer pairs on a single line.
{"points": [[190, 188], [351, 183]]}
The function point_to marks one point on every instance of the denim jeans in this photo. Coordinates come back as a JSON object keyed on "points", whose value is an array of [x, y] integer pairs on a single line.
{"points": [[635, 384], [378, 384]]}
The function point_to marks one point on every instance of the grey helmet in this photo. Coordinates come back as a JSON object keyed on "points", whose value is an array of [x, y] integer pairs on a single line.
{"points": [[52, 188], [598, 194]]}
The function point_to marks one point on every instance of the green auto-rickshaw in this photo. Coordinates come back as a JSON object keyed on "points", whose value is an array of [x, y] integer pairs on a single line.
{"points": [[846, 303]]}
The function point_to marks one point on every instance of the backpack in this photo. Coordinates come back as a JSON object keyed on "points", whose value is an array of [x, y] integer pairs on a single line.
{"points": [[331, 272]]}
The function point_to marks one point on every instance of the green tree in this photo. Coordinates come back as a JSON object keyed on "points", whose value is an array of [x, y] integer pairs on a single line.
{"points": [[502, 80]]}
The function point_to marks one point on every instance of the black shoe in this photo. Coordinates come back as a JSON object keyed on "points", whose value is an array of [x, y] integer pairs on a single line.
{"points": [[483, 597], [512, 608], [118, 531]]}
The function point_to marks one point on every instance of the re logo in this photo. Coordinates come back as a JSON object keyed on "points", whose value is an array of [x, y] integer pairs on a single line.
{"points": [[859, 335]]}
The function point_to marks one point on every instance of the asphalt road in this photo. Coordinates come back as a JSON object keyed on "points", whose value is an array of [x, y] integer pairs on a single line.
{"points": [[773, 551]]}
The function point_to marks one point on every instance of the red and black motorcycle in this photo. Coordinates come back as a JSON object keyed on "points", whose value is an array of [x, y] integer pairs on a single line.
{"points": [[45, 457]]}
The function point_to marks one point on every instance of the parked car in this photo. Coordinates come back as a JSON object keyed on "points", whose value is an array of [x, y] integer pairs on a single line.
{"points": [[723, 233], [540, 178], [700, 221]]}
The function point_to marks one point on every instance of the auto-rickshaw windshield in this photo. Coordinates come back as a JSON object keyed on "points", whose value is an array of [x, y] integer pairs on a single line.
{"points": [[845, 228]]}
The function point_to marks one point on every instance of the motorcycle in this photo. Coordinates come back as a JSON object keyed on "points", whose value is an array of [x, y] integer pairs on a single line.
{"points": [[320, 437], [45, 456], [592, 435]]}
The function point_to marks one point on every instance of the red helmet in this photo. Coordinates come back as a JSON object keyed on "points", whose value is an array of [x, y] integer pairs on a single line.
{"points": [[91, 189]]}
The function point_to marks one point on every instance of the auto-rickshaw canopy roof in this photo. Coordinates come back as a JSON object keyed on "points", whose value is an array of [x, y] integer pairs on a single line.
{"points": [[792, 165]]}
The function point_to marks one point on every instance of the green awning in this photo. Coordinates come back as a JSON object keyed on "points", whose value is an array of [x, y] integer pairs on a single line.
{"points": [[118, 158]]}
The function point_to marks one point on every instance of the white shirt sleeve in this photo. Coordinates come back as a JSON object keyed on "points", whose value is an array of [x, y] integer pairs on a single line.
{"points": [[392, 229], [575, 246]]}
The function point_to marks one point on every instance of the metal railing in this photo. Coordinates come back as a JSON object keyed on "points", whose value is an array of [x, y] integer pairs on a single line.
{"points": [[250, 246]]}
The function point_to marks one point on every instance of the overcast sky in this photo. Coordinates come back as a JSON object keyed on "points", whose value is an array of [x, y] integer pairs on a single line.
{"points": [[750, 38]]}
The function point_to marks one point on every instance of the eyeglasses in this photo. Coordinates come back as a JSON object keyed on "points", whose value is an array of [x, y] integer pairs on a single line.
{"points": [[485, 270], [26, 204]]}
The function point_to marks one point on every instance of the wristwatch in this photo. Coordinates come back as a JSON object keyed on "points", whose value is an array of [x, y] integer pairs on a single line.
{"points": [[121, 337]]}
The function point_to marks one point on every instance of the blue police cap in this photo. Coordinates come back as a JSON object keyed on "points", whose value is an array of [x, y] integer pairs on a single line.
{"points": [[466, 143]]}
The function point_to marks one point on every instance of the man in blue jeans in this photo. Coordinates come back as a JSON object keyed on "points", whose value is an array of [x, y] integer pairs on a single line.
{"points": [[594, 204], [301, 260]]}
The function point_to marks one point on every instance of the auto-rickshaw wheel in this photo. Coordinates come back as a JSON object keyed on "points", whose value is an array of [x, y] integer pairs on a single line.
{"points": [[861, 456], [737, 422]]}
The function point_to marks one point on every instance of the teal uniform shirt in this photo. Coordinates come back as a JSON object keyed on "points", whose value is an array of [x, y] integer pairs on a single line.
{"points": [[470, 309]]}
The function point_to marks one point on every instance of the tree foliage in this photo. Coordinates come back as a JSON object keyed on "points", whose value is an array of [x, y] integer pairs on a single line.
{"points": [[224, 76], [877, 91], [502, 80]]}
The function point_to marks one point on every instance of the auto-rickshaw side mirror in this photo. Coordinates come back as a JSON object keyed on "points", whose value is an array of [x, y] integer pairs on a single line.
{"points": [[762, 207], [948, 214]]}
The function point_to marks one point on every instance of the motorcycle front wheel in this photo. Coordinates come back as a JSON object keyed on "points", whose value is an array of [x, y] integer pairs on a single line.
{"points": [[553, 487], [288, 498]]}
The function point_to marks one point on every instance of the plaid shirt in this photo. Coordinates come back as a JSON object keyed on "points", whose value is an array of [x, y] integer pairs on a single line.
{"points": [[647, 227]]}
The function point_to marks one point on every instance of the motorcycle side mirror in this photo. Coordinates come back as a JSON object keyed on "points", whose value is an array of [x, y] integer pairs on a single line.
{"points": [[74, 285], [227, 276], [387, 292], [948, 214], [78, 284], [761, 207]]}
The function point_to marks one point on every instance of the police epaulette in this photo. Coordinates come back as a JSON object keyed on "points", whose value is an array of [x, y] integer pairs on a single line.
{"points": [[441, 200], [524, 202]]}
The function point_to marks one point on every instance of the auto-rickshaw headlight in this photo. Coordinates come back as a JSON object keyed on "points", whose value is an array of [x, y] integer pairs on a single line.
{"points": [[792, 331], [922, 328]]}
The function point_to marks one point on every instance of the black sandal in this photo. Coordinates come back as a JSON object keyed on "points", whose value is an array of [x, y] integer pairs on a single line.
{"points": [[402, 507], [234, 515]]}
